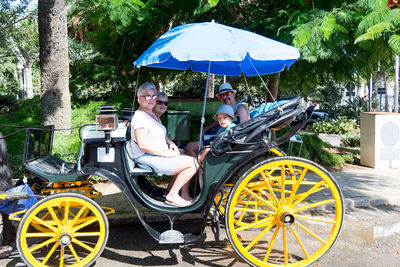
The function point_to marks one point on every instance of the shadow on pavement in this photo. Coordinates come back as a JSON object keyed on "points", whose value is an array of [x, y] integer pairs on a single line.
{"points": [[134, 238]]}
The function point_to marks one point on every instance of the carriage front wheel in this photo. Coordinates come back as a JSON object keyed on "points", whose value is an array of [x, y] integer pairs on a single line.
{"points": [[284, 211], [64, 229]]}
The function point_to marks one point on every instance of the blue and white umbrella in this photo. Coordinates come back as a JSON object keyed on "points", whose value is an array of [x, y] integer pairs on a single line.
{"points": [[215, 48]]}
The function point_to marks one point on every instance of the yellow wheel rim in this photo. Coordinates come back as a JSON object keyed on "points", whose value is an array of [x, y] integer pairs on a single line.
{"points": [[64, 230], [225, 193], [285, 211]]}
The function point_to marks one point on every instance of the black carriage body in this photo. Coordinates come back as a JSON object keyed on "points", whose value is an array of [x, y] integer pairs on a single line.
{"points": [[242, 147]]}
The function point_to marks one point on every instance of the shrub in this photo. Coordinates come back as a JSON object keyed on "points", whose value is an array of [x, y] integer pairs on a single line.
{"points": [[341, 125], [317, 150], [351, 141]]}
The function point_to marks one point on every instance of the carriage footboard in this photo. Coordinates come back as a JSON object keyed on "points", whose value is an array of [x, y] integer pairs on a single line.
{"points": [[39, 161]]}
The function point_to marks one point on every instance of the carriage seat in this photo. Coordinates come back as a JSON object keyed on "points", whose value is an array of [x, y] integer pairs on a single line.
{"points": [[133, 167]]}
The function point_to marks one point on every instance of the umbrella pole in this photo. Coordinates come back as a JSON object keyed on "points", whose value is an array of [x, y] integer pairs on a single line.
{"points": [[204, 108]]}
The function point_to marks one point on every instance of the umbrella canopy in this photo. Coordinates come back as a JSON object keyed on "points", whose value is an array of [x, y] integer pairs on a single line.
{"points": [[231, 51]]}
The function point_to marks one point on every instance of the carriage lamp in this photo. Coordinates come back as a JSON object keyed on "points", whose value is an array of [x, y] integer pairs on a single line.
{"points": [[107, 121]]}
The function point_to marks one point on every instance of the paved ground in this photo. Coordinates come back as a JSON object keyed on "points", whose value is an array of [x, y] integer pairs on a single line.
{"points": [[362, 187], [371, 231]]}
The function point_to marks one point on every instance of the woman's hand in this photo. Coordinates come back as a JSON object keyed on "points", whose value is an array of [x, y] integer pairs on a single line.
{"points": [[172, 153], [172, 146]]}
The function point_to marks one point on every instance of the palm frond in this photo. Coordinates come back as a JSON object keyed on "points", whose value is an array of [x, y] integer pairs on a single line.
{"points": [[375, 17], [302, 36], [394, 43], [375, 32], [394, 17], [327, 26]]}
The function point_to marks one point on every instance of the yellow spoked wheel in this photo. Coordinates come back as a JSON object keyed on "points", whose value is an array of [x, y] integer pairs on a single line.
{"points": [[225, 193], [64, 229], [285, 211]]}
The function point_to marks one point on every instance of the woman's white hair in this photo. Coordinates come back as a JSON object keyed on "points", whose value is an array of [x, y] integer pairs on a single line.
{"points": [[162, 94], [146, 86]]}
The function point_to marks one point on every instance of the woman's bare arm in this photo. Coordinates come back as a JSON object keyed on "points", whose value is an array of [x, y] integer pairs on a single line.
{"points": [[141, 139], [243, 114]]}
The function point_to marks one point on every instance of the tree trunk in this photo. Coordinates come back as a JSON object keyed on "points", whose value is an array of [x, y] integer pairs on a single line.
{"points": [[273, 86], [210, 90], [55, 101], [28, 80], [20, 77]]}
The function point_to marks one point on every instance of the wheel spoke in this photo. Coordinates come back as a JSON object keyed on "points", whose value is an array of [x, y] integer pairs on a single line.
{"points": [[86, 234], [76, 241], [62, 256], [78, 215], [44, 223], [308, 231], [75, 229], [45, 243], [296, 186], [259, 198], [272, 193], [317, 219], [285, 253], [250, 225], [254, 210], [243, 213], [45, 215], [317, 204], [299, 242], [50, 253], [314, 189], [66, 213], [54, 216], [74, 253], [271, 243], [259, 236], [45, 234]]}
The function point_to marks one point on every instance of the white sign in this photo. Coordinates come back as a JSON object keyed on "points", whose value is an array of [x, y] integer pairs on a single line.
{"points": [[103, 157]]}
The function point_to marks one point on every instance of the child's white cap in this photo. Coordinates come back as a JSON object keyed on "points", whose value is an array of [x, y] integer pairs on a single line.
{"points": [[225, 109]]}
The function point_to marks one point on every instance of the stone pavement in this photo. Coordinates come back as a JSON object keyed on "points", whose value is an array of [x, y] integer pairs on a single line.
{"points": [[362, 187]]}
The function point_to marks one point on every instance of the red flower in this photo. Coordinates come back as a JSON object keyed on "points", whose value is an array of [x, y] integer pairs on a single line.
{"points": [[393, 3]]}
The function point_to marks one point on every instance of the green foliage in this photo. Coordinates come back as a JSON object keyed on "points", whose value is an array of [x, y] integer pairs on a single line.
{"points": [[351, 110], [317, 150], [380, 22], [351, 141], [327, 96], [340, 125], [91, 74], [8, 81], [24, 113]]}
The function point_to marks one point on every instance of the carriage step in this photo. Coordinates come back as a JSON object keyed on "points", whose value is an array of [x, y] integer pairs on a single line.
{"points": [[172, 237]]}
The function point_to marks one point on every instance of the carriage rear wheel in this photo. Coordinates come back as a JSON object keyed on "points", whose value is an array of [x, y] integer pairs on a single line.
{"points": [[64, 229], [284, 211]]}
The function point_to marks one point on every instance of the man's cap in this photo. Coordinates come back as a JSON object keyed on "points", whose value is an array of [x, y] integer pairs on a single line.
{"points": [[225, 109], [225, 87]]}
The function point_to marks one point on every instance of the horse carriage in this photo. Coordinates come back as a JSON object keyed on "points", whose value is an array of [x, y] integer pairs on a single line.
{"points": [[278, 210]]}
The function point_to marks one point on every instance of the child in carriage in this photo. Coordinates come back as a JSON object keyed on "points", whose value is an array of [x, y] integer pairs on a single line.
{"points": [[225, 117]]}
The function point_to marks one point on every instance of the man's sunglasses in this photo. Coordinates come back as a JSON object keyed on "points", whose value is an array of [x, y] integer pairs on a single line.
{"points": [[162, 102], [224, 94], [148, 97]]}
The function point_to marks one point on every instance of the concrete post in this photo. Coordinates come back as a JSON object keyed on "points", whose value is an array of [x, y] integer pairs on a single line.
{"points": [[396, 86]]}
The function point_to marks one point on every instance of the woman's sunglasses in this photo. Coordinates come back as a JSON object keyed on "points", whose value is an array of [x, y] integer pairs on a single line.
{"points": [[224, 94], [162, 102], [148, 97]]}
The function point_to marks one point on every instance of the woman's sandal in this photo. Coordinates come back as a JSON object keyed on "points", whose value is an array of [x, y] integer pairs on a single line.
{"points": [[183, 203]]}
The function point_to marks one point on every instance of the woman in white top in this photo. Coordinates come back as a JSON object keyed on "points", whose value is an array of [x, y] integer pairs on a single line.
{"points": [[152, 147]]}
